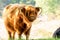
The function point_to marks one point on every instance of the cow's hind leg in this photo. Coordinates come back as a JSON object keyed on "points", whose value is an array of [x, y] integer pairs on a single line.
{"points": [[10, 30], [13, 35], [10, 37], [19, 35]]}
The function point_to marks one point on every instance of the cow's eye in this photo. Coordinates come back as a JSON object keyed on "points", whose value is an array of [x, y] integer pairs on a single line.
{"points": [[27, 13]]}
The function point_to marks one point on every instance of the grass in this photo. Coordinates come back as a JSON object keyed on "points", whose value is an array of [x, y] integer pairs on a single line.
{"points": [[44, 39], [39, 39]]}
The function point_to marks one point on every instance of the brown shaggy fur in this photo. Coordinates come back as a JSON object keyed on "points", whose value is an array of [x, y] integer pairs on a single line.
{"points": [[18, 18]]}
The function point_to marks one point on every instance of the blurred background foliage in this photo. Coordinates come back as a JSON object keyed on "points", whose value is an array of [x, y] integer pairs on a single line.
{"points": [[48, 6]]}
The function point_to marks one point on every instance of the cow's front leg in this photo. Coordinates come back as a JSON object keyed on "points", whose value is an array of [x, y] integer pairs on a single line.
{"points": [[19, 36], [27, 33], [10, 37]]}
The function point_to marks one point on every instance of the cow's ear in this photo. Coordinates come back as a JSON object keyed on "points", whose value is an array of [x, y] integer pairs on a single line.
{"points": [[7, 7], [37, 8], [23, 10]]}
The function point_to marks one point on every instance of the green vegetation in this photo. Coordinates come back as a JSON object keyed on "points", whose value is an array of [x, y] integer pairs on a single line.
{"points": [[48, 5], [43, 39]]}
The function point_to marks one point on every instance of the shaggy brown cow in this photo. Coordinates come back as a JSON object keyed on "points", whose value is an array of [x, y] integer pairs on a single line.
{"points": [[18, 18]]}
